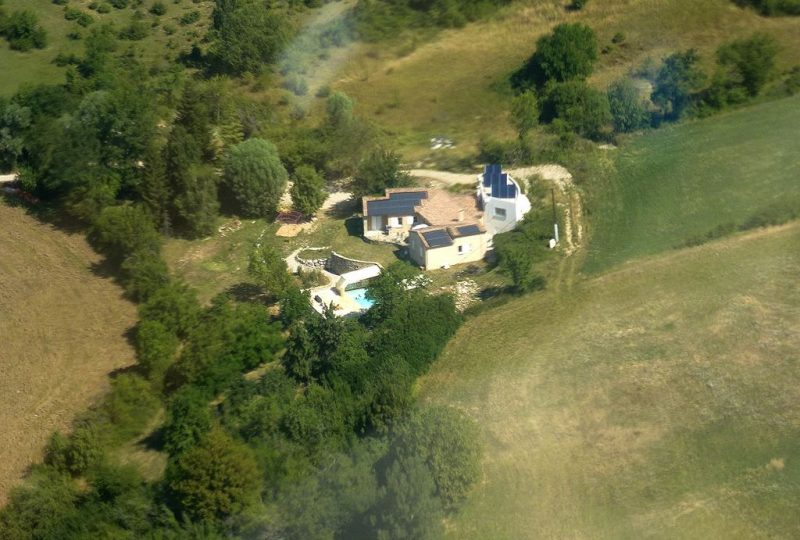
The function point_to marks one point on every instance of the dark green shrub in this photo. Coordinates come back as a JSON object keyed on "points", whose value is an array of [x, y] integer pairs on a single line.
{"points": [[22, 31], [135, 31], [792, 82], [158, 9], [190, 17], [76, 453], [80, 17]]}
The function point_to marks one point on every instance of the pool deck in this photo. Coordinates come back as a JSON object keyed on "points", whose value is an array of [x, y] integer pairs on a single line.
{"points": [[343, 305]]}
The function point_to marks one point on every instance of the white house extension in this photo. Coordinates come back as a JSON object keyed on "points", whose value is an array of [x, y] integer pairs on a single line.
{"points": [[503, 202]]}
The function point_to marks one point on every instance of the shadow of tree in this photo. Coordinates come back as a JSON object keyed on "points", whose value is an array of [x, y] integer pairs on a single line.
{"points": [[354, 226], [247, 292], [153, 440], [342, 209]]}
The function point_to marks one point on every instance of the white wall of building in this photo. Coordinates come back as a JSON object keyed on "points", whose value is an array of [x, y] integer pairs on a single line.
{"points": [[502, 215]]}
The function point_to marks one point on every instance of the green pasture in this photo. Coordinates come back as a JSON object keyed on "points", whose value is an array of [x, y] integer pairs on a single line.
{"points": [[675, 185], [655, 401]]}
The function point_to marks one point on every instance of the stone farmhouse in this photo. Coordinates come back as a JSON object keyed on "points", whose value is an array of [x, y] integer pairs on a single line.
{"points": [[443, 228]]}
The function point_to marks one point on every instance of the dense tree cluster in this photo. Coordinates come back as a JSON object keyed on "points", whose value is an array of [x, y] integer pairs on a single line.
{"points": [[98, 148], [552, 87]]}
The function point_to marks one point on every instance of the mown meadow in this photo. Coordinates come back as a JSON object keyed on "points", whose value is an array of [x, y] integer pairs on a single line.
{"points": [[658, 400], [685, 184]]}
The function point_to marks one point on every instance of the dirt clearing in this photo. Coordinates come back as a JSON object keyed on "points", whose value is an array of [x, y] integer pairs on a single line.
{"points": [[62, 331]]}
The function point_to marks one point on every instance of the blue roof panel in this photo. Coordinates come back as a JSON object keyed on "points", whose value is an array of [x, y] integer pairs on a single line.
{"points": [[469, 230], [503, 188], [438, 238], [398, 204], [490, 172]]}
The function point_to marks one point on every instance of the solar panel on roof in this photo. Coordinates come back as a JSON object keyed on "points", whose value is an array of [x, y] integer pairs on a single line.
{"points": [[503, 188], [398, 204], [490, 172], [438, 238], [469, 230]]}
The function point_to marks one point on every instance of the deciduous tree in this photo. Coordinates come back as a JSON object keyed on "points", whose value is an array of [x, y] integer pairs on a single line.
{"points": [[628, 108], [248, 35], [447, 441], [256, 177], [215, 479], [677, 81], [749, 62], [582, 109], [568, 53], [308, 190], [378, 171]]}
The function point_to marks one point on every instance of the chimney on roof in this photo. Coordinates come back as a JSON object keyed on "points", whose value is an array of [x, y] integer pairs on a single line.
{"points": [[460, 215]]}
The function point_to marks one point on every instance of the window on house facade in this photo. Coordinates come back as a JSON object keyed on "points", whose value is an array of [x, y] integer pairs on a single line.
{"points": [[500, 213], [464, 248]]}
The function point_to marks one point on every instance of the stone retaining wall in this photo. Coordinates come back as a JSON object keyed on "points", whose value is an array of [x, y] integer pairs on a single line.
{"points": [[314, 264], [338, 264]]}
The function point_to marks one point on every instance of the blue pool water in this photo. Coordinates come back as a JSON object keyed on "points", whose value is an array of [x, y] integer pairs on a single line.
{"points": [[360, 296]]}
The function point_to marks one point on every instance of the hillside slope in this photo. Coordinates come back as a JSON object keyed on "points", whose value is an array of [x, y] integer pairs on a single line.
{"points": [[660, 400], [62, 331], [457, 84], [167, 37], [680, 183]]}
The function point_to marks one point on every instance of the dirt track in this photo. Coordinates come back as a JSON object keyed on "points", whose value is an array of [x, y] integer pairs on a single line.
{"points": [[61, 333]]}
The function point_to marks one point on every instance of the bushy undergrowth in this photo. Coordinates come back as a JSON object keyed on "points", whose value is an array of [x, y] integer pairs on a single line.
{"points": [[376, 20]]}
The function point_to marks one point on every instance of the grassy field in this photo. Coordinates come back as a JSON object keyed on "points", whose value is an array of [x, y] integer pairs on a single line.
{"points": [[63, 331], [36, 66], [658, 401], [681, 182], [456, 84]]}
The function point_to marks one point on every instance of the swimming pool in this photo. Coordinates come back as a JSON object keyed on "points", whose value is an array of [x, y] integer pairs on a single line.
{"points": [[360, 296]]}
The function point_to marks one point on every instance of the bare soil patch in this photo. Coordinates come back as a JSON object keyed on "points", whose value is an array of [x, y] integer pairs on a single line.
{"points": [[62, 331]]}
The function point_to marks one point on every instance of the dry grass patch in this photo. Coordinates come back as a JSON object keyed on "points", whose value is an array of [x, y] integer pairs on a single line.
{"points": [[63, 332], [456, 84]]}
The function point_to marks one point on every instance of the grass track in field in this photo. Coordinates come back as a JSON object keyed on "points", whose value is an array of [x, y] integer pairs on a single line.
{"points": [[683, 181], [659, 400]]}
